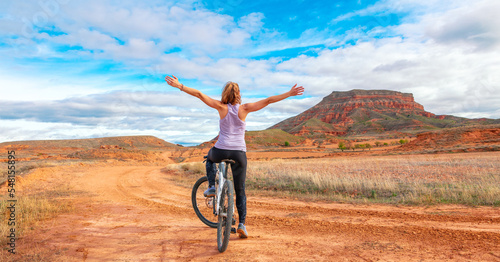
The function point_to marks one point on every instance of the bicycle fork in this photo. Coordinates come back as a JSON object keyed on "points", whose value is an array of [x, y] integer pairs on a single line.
{"points": [[217, 207], [222, 180]]}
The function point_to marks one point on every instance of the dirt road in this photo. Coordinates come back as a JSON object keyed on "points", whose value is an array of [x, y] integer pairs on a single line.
{"points": [[136, 213]]}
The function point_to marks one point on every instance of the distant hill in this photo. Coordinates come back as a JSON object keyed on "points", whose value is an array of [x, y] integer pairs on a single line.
{"points": [[369, 111], [270, 137], [128, 142], [263, 138]]}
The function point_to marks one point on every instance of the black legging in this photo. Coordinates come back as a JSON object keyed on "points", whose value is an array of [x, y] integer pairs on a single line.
{"points": [[239, 170]]}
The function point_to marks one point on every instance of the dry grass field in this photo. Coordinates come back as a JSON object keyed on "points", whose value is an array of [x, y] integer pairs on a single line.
{"points": [[460, 178], [36, 201]]}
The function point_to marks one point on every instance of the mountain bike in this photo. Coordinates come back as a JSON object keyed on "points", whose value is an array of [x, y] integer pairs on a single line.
{"points": [[216, 212]]}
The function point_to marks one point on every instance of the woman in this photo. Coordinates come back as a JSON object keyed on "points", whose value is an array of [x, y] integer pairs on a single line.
{"points": [[231, 141]]}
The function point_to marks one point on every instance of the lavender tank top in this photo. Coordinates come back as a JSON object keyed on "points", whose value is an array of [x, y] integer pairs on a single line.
{"points": [[232, 131]]}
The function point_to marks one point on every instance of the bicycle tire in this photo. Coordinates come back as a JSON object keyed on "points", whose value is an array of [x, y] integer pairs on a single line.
{"points": [[206, 215], [225, 222]]}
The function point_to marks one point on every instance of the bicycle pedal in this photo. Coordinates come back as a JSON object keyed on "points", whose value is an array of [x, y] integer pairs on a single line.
{"points": [[233, 230]]}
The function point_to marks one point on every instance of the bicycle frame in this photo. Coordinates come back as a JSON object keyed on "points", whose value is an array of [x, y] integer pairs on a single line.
{"points": [[222, 204]]}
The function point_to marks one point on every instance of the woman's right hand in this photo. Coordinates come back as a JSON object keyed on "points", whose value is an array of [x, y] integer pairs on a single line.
{"points": [[296, 90], [173, 81]]}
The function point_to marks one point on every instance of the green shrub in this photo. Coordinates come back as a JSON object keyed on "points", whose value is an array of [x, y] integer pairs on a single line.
{"points": [[342, 146]]}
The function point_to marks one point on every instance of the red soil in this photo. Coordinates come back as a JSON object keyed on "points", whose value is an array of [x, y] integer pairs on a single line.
{"points": [[137, 213]]}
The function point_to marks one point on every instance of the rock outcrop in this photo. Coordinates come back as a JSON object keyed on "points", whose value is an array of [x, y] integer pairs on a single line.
{"points": [[462, 139]]}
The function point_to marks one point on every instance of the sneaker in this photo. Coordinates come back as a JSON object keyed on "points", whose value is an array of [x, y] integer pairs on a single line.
{"points": [[242, 231], [210, 192]]}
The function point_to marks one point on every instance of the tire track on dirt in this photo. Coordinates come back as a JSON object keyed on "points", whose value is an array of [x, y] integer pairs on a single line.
{"points": [[410, 233], [138, 189], [411, 213], [405, 217], [405, 226]]}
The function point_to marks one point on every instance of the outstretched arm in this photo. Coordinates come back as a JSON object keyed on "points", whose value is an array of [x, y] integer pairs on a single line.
{"points": [[174, 81], [252, 107]]}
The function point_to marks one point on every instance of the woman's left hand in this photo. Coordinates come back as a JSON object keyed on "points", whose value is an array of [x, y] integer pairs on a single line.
{"points": [[173, 81], [296, 90]]}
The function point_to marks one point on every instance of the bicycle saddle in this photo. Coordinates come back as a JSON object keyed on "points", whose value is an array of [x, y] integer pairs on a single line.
{"points": [[223, 160], [228, 161]]}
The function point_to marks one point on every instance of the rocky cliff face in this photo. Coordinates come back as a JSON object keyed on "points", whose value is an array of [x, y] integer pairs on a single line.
{"points": [[359, 111]]}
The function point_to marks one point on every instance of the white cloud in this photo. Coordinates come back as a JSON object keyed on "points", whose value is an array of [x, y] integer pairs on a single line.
{"points": [[251, 22], [477, 25], [36, 87], [16, 130], [444, 52], [142, 30]]}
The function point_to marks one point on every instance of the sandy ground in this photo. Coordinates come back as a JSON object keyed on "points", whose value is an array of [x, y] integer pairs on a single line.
{"points": [[137, 213]]}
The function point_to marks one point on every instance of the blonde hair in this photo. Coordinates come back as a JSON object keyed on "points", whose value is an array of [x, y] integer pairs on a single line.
{"points": [[231, 94]]}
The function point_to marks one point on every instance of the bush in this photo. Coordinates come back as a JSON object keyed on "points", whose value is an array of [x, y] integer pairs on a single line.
{"points": [[342, 146], [286, 143]]}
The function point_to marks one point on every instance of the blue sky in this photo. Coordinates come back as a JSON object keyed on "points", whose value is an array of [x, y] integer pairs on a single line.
{"points": [[74, 69]]}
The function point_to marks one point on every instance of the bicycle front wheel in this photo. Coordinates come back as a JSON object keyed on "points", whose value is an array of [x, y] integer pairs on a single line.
{"points": [[225, 216], [204, 207]]}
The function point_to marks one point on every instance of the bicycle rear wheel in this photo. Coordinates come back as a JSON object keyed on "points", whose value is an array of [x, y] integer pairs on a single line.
{"points": [[204, 207], [225, 216]]}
